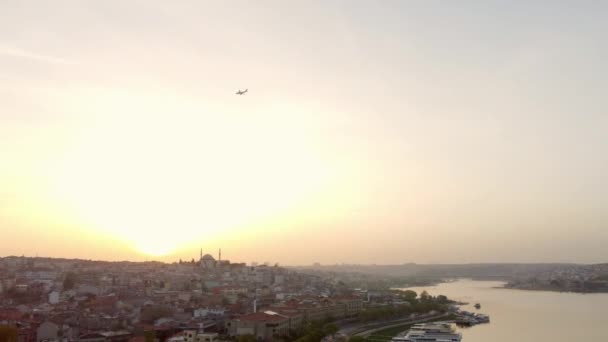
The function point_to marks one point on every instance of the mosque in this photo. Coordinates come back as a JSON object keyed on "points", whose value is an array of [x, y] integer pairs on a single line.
{"points": [[208, 262]]}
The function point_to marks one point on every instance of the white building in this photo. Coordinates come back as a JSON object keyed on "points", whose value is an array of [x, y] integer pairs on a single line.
{"points": [[204, 312], [40, 275], [47, 331], [199, 336], [279, 279], [54, 297], [88, 289]]}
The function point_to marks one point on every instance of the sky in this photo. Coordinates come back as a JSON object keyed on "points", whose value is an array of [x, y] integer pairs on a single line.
{"points": [[373, 132]]}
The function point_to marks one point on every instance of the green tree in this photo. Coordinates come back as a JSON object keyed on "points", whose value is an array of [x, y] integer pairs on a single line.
{"points": [[409, 295], [356, 339], [69, 281], [246, 338], [8, 333], [330, 329], [150, 335]]}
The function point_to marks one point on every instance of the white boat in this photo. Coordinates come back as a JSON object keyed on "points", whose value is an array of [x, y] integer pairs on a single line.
{"points": [[429, 332]]}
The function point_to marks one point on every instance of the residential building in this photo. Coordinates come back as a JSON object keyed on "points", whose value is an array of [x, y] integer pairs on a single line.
{"points": [[199, 336], [262, 325], [47, 331]]}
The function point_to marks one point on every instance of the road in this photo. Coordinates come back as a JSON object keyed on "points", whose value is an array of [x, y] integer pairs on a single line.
{"points": [[369, 328]]}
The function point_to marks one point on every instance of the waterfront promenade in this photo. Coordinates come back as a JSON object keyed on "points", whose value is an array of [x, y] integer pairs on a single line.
{"points": [[369, 328]]}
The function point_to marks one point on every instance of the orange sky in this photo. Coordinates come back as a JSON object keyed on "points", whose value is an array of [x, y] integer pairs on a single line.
{"points": [[371, 133]]}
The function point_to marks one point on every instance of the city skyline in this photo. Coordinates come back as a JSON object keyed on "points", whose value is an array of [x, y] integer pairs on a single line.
{"points": [[371, 133]]}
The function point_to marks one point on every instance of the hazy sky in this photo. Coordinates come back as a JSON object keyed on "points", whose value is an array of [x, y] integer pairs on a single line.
{"points": [[373, 132]]}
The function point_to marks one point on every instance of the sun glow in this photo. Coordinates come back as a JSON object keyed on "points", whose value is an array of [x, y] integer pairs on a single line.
{"points": [[160, 175]]}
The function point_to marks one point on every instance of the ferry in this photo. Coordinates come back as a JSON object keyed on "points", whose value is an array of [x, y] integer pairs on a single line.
{"points": [[465, 318], [429, 332]]}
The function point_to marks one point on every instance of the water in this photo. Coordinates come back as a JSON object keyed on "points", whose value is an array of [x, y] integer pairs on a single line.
{"points": [[518, 315]]}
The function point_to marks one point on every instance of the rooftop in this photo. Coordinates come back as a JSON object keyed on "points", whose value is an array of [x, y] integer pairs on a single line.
{"points": [[262, 317]]}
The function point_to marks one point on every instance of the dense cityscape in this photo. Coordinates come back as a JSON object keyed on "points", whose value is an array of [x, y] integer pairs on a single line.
{"points": [[203, 300]]}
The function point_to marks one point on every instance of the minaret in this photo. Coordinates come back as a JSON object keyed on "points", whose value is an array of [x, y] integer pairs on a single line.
{"points": [[220, 256], [201, 254]]}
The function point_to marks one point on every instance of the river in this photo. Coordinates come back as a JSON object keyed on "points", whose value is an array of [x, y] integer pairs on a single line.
{"points": [[534, 316]]}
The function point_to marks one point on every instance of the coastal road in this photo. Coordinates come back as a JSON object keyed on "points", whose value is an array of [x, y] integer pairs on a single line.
{"points": [[370, 328]]}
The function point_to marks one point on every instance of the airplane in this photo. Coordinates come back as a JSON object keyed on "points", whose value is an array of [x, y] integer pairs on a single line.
{"points": [[241, 92]]}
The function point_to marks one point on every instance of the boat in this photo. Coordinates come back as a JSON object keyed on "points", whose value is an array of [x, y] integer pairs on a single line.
{"points": [[477, 306], [467, 319], [482, 318], [429, 332]]}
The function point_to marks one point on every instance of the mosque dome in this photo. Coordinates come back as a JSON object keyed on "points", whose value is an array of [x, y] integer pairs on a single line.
{"points": [[208, 257]]}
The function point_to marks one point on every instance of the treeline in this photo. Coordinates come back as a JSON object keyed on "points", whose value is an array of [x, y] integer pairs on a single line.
{"points": [[315, 331], [410, 303], [311, 332]]}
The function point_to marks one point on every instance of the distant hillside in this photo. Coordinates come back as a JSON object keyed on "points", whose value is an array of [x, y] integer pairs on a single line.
{"points": [[478, 271]]}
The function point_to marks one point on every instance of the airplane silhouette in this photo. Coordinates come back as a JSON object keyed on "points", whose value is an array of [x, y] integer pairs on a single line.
{"points": [[241, 92]]}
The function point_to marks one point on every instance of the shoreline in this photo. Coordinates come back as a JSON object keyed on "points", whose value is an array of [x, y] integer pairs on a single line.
{"points": [[399, 323], [505, 286], [548, 289]]}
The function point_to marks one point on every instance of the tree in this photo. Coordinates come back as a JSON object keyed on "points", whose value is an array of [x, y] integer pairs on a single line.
{"points": [[151, 314], [425, 296], [8, 333], [441, 299], [313, 332], [330, 329], [69, 281], [150, 335], [246, 338], [409, 295], [356, 339]]}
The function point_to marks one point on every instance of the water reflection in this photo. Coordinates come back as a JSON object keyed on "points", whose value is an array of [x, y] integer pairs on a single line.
{"points": [[518, 315]]}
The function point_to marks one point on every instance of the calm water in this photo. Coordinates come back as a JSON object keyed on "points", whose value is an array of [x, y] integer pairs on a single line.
{"points": [[518, 315]]}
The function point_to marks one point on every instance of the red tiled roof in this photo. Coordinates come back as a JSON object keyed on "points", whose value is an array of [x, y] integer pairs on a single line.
{"points": [[10, 314]]}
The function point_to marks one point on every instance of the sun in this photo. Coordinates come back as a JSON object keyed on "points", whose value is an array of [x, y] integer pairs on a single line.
{"points": [[159, 183], [154, 248]]}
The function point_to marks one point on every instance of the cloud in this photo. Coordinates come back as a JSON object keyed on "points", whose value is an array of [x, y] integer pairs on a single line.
{"points": [[16, 52]]}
